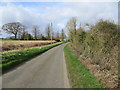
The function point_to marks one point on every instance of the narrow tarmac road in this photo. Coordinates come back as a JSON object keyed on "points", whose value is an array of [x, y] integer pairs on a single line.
{"points": [[47, 70]]}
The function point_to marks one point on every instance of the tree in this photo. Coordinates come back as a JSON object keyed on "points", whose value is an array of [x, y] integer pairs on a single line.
{"points": [[48, 31], [42, 37], [53, 34], [26, 36], [71, 25], [13, 28], [62, 35], [72, 28], [105, 26], [30, 37], [107, 32], [35, 32], [22, 34]]}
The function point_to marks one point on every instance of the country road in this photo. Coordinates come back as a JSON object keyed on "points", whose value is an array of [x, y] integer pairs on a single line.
{"points": [[47, 70]]}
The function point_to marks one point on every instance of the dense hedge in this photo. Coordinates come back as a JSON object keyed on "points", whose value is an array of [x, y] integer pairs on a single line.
{"points": [[99, 46]]}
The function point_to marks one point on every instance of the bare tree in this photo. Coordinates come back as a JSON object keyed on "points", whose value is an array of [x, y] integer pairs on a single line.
{"points": [[72, 28], [72, 24], [53, 34], [13, 28], [48, 31], [35, 32], [21, 34], [63, 35]]}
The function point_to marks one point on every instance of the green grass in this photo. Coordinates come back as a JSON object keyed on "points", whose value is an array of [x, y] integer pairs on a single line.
{"points": [[11, 59], [79, 75]]}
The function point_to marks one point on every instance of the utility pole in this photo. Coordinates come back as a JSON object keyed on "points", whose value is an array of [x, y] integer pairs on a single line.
{"points": [[51, 32]]}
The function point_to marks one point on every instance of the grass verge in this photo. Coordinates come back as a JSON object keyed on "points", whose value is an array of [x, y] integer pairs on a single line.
{"points": [[12, 59], [79, 75]]}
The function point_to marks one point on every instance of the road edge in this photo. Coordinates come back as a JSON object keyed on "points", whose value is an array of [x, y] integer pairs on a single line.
{"points": [[66, 80]]}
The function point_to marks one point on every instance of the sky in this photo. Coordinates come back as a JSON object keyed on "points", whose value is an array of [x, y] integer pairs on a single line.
{"points": [[43, 13]]}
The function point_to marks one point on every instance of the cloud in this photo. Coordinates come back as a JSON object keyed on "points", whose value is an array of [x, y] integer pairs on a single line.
{"points": [[57, 13], [27, 16], [59, 0]]}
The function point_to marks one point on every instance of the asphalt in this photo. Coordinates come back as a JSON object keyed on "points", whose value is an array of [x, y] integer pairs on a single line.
{"points": [[47, 70]]}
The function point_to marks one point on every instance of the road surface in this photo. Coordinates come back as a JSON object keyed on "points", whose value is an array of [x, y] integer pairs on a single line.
{"points": [[47, 70]]}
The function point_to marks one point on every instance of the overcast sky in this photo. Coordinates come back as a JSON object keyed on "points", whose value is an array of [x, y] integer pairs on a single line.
{"points": [[42, 13]]}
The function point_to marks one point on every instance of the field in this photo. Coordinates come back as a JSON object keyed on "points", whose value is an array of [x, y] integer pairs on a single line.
{"points": [[12, 59], [8, 45]]}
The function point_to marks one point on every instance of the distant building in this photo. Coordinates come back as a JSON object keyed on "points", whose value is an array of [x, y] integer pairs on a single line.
{"points": [[56, 37]]}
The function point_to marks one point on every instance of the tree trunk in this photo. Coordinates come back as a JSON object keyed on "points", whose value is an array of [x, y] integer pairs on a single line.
{"points": [[15, 36]]}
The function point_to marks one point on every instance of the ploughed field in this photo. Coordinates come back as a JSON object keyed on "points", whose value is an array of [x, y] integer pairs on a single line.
{"points": [[9, 45]]}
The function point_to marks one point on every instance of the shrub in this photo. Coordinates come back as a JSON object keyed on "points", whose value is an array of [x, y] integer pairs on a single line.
{"points": [[57, 40], [98, 45]]}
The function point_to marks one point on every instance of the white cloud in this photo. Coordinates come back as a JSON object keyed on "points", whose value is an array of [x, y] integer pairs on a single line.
{"points": [[59, 15], [59, 0], [13, 13]]}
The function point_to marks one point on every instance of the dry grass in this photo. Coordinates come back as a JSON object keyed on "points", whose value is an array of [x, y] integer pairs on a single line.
{"points": [[8, 45], [105, 68], [109, 78]]}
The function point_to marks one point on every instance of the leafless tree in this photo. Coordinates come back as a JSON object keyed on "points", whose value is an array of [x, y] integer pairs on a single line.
{"points": [[13, 28], [48, 31], [72, 24], [36, 32], [63, 35]]}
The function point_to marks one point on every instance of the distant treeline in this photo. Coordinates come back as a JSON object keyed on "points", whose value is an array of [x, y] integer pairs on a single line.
{"points": [[20, 33]]}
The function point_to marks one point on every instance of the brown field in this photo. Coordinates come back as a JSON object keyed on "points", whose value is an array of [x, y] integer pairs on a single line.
{"points": [[9, 45]]}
